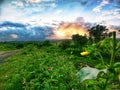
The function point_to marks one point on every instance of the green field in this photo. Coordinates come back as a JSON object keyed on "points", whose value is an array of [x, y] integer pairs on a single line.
{"points": [[58, 65]]}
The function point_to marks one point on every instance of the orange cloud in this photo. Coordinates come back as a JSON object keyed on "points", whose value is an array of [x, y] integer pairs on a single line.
{"points": [[66, 30]]}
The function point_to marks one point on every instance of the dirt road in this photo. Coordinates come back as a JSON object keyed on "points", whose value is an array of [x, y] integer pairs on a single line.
{"points": [[6, 54]]}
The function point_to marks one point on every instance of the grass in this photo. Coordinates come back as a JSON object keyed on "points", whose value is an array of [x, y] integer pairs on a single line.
{"points": [[46, 67], [32, 66]]}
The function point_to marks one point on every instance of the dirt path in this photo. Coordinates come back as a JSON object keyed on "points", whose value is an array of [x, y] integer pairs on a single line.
{"points": [[6, 54]]}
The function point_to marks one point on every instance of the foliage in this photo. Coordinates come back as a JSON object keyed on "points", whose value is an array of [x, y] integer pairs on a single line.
{"points": [[65, 44], [6, 47], [45, 66], [38, 69], [113, 69], [98, 32], [79, 39], [46, 42]]}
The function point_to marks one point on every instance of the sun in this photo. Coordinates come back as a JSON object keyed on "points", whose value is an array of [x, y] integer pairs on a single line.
{"points": [[66, 30], [59, 33]]}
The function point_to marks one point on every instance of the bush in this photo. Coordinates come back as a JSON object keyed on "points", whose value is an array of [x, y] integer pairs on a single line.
{"points": [[39, 69], [65, 44], [79, 39]]}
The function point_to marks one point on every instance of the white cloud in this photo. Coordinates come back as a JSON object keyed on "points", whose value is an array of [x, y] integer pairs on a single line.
{"points": [[53, 5], [58, 12], [14, 35], [10, 13], [111, 17], [112, 14], [102, 4], [97, 9], [20, 4], [3, 29], [17, 3], [33, 1]]}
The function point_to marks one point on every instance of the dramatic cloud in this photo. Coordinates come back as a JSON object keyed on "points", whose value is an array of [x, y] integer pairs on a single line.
{"points": [[87, 2], [1, 1], [66, 30], [10, 24], [44, 19], [110, 17], [3, 28], [15, 31], [102, 4], [80, 20], [115, 4], [34, 3]]}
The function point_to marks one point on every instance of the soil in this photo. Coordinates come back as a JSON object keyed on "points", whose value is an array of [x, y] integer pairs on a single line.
{"points": [[5, 54]]}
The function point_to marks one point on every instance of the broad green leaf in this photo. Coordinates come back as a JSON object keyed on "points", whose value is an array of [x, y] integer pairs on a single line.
{"points": [[116, 65], [88, 73]]}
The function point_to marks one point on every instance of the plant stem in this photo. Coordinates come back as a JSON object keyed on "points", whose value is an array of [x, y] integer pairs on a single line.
{"points": [[106, 82], [114, 48], [102, 60]]}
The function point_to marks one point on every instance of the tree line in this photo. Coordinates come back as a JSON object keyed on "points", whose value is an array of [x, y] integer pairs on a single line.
{"points": [[96, 34]]}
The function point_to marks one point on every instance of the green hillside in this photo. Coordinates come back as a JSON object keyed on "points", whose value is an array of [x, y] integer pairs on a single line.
{"points": [[58, 65]]}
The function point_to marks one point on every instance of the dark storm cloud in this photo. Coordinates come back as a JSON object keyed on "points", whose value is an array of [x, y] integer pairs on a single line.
{"points": [[115, 27], [81, 21], [23, 32], [81, 2], [10, 24], [1, 1], [5, 1], [111, 1], [87, 2], [116, 3]]}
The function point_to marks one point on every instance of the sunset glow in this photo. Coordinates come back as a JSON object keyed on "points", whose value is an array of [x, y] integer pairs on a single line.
{"points": [[66, 30], [36, 20]]}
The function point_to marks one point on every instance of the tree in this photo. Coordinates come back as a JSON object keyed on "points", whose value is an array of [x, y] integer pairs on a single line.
{"points": [[98, 32], [79, 39], [65, 44], [46, 43]]}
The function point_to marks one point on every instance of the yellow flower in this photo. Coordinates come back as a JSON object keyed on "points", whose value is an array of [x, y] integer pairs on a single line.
{"points": [[119, 77], [84, 53]]}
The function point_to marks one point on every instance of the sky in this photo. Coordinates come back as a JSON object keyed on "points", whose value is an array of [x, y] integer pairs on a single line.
{"points": [[31, 20]]}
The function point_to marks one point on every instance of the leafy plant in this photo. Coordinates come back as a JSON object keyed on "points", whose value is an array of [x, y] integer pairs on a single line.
{"points": [[111, 68], [98, 32], [79, 40]]}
